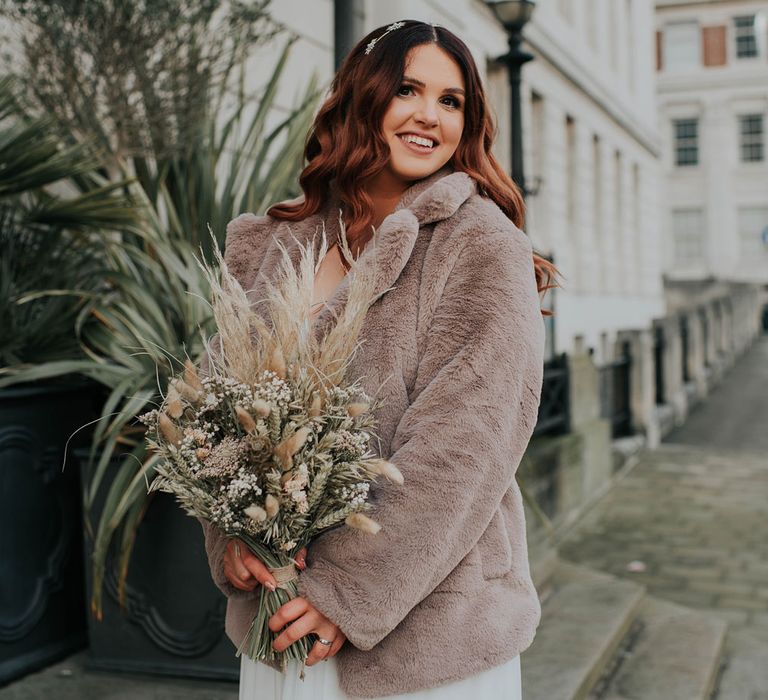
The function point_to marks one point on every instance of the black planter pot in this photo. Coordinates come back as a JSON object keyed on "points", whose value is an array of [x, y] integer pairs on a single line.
{"points": [[42, 592], [173, 620]]}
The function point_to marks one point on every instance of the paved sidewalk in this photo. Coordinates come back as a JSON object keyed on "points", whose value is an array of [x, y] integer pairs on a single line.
{"points": [[735, 415], [696, 520], [69, 680], [695, 515]]}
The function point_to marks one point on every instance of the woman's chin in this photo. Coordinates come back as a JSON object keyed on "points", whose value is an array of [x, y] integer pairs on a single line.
{"points": [[418, 171]]}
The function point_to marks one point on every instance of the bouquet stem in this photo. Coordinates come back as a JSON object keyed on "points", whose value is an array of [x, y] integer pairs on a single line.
{"points": [[257, 643]]}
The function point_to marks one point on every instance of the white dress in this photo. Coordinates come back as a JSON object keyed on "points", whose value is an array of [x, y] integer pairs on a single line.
{"points": [[261, 682]]}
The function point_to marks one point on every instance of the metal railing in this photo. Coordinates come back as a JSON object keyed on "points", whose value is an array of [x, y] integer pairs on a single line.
{"points": [[614, 383], [554, 414], [659, 346]]}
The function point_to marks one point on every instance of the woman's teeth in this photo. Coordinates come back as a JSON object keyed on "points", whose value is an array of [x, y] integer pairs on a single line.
{"points": [[418, 142]]}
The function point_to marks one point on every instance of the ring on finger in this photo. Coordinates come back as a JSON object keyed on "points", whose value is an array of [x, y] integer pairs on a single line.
{"points": [[324, 642]]}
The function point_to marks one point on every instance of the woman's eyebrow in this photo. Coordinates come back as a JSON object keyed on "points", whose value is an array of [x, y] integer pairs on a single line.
{"points": [[421, 84]]}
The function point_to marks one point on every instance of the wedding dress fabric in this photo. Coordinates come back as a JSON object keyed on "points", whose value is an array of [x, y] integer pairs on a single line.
{"points": [[261, 682]]}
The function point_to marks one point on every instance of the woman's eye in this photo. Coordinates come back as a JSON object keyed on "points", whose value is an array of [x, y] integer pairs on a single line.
{"points": [[404, 88], [453, 101]]}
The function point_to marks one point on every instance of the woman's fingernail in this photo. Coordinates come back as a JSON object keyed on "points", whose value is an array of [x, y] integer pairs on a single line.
{"points": [[270, 585]]}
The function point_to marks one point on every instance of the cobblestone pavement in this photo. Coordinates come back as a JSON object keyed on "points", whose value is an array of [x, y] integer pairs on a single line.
{"points": [[696, 519], [696, 515]]}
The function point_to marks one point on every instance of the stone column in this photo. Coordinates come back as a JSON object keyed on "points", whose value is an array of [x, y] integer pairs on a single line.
{"points": [[642, 383], [586, 420], [696, 355], [674, 390]]}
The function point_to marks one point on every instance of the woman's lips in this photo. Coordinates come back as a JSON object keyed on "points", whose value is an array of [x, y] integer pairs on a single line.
{"points": [[417, 148]]}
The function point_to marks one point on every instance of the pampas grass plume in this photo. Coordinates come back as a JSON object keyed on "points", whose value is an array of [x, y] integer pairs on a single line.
{"points": [[356, 408], [174, 408], [387, 470], [168, 429], [188, 392], [262, 408], [290, 446], [277, 361], [316, 406], [272, 505], [256, 513], [245, 418], [362, 522], [191, 377]]}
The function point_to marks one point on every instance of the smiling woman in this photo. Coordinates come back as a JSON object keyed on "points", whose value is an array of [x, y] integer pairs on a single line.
{"points": [[440, 603]]}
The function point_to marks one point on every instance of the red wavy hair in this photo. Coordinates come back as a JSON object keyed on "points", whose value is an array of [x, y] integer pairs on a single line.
{"points": [[346, 143]]}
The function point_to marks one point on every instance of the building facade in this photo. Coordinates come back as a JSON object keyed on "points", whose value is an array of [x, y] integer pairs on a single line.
{"points": [[712, 63]]}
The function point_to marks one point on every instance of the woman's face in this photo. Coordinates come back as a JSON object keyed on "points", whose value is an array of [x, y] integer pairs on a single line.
{"points": [[428, 107]]}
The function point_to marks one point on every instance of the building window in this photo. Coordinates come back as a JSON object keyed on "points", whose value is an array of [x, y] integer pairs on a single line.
{"points": [[686, 132], [745, 36], [753, 231], [687, 238], [681, 47], [751, 137]]}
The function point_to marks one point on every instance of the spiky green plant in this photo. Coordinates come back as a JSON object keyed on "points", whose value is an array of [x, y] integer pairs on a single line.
{"points": [[154, 300]]}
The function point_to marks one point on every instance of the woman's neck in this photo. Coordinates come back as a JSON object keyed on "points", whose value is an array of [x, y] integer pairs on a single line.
{"points": [[385, 191]]}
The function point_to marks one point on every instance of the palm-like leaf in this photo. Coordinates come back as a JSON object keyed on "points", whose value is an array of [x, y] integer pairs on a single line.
{"points": [[154, 305]]}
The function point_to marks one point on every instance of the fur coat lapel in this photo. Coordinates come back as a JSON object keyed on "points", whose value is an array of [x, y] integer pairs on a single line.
{"points": [[427, 201]]}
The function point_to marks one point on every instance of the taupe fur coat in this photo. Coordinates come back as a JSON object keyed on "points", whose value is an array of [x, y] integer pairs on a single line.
{"points": [[444, 590]]}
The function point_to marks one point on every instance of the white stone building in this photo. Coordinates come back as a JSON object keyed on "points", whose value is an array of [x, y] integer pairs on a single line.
{"points": [[712, 60]]}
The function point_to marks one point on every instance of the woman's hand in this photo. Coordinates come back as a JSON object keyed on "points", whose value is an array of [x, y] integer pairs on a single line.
{"points": [[306, 618], [244, 570]]}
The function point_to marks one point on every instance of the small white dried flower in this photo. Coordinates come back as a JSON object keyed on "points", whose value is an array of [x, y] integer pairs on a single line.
{"points": [[362, 522]]}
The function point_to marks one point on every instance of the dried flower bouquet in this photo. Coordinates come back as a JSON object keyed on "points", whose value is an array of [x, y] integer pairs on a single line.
{"points": [[269, 440]]}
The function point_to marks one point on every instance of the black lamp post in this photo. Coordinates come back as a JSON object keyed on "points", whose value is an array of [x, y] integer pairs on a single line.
{"points": [[513, 14]]}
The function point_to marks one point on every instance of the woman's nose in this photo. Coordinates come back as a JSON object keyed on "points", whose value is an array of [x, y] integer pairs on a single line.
{"points": [[427, 115]]}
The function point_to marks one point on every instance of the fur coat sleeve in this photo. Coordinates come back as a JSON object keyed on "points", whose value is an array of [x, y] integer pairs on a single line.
{"points": [[458, 444]]}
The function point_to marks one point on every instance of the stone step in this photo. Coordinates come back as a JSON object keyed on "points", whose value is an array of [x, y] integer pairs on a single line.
{"points": [[583, 622], [744, 670], [672, 652]]}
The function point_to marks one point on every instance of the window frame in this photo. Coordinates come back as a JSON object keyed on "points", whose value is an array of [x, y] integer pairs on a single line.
{"points": [[667, 64], [677, 148], [737, 35], [757, 140]]}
